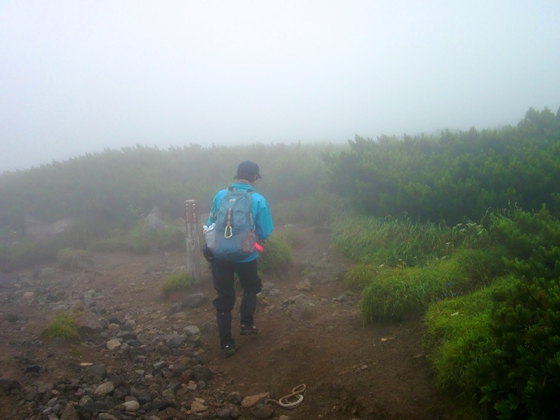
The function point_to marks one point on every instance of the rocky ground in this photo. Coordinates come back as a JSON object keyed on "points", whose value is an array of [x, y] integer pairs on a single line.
{"points": [[140, 356]]}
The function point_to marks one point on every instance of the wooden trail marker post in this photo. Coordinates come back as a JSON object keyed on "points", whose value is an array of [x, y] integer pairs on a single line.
{"points": [[193, 241]]}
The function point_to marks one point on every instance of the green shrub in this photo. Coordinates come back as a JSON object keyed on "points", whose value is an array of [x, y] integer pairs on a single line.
{"points": [[360, 275], [504, 355], [505, 351], [532, 240], [64, 325], [459, 333], [178, 282], [396, 292], [277, 254], [521, 377]]}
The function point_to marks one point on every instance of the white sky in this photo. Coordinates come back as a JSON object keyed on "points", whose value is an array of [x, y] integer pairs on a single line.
{"points": [[81, 76]]}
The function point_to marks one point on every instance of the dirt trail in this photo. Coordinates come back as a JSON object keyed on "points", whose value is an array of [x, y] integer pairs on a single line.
{"points": [[351, 370]]}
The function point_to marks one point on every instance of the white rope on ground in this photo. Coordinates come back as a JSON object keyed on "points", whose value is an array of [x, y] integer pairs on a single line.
{"points": [[285, 402]]}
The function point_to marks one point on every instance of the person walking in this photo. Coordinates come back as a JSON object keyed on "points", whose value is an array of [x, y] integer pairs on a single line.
{"points": [[223, 271]]}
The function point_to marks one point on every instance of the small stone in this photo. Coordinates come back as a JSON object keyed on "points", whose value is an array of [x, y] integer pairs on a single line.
{"points": [[131, 406], [7, 385], [168, 397], [171, 414], [262, 411], [69, 413], [195, 300], [106, 416], [113, 344], [178, 316], [253, 400], [32, 369], [193, 334], [234, 397], [176, 341], [104, 389], [28, 296], [304, 286], [198, 407], [85, 401]]}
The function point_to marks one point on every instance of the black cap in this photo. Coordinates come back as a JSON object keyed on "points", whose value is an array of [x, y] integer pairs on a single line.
{"points": [[247, 170]]}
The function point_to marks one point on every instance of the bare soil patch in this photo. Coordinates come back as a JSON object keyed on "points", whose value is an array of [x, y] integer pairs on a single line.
{"points": [[351, 370]]}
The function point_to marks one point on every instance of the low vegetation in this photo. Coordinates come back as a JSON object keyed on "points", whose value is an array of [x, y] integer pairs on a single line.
{"points": [[64, 325], [176, 283], [492, 313], [140, 240], [277, 254]]}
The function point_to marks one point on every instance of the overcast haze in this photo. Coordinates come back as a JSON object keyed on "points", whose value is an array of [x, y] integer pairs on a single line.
{"points": [[82, 76]]}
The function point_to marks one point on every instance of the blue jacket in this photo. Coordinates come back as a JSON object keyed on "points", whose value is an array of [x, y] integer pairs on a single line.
{"points": [[261, 214]]}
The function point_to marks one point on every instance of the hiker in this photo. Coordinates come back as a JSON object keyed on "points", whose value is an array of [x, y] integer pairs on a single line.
{"points": [[245, 266]]}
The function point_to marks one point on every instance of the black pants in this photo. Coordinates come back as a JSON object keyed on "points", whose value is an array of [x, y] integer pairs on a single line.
{"points": [[223, 275]]}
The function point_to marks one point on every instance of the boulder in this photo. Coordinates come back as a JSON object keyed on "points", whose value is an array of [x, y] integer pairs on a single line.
{"points": [[154, 220]]}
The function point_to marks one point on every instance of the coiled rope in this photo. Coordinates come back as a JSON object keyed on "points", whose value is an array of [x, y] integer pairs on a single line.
{"points": [[284, 402]]}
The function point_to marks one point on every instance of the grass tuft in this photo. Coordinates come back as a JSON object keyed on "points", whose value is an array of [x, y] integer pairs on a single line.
{"points": [[277, 254], [64, 325], [360, 275], [178, 282]]}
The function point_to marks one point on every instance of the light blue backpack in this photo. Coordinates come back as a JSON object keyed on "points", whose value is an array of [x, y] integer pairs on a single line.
{"points": [[233, 237]]}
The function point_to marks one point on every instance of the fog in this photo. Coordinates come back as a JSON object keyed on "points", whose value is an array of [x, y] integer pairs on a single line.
{"points": [[78, 77]]}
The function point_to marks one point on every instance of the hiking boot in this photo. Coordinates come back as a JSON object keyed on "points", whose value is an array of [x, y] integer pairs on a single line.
{"points": [[248, 329], [229, 350]]}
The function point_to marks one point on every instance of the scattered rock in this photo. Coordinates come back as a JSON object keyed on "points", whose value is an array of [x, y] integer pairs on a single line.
{"points": [[193, 334], [347, 296], [69, 413], [300, 308], [104, 389], [198, 407], [8, 385], [195, 300], [131, 405], [269, 289], [113, 344], [262, 411], [253, 400], [304, 286], [171, 413]]}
